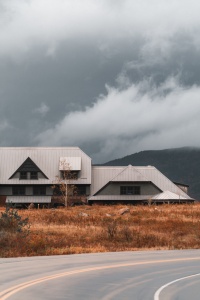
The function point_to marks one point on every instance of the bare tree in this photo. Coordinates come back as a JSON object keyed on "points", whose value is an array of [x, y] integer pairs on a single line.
{"points": [[63, 185]]}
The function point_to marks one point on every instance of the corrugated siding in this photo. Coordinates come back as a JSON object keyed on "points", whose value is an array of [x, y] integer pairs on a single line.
{"points": [[120, 197], [113, 188], [102, 175], [129, 173], [70, 163], [28, 199], [47, 159], [161, 181], [167, 195]]}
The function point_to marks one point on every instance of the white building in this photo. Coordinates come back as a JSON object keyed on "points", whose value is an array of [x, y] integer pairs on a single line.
{"points": [[27, 175]]}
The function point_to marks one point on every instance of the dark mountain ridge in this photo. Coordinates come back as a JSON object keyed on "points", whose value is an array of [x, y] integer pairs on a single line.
{"points": [[178, 164]]}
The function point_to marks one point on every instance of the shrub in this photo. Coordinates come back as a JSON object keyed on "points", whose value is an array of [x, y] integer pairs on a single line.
{"points": [[126, 233], [111, 229], [11, 221]]}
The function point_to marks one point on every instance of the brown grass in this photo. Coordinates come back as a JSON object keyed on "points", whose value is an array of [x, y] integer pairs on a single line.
{"points": [[64, 231]]}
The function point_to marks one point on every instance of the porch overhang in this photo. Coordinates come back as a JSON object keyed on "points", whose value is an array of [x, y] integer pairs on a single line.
{"points": [[28, 199]]}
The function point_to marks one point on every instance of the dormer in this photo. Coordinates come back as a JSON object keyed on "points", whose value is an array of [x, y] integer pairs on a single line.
{"points": [[28, 171]]}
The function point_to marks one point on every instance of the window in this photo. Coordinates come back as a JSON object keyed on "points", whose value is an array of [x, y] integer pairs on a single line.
{"points": [[39, 190], [81, 190], [34, 175], [23, 175], [129, 190], [18, 190], [69, 175], [57, 191]]}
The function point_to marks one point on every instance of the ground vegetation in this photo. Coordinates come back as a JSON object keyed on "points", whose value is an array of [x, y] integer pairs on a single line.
{"points": [[86, 229]]}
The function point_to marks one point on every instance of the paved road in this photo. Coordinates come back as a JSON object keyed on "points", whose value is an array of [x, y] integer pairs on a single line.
{"points": [[156, 275]]}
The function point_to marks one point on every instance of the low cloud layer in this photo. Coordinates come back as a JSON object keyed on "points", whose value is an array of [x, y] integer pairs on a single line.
{"points": [[113, 77], [130, 119]]}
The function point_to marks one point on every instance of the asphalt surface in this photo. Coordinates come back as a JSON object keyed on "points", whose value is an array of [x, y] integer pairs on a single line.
{"points": [[156, 275]]}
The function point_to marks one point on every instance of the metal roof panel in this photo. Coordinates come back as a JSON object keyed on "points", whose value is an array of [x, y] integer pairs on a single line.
{"points": [[70, 163], [28, 199], [46, 158]]}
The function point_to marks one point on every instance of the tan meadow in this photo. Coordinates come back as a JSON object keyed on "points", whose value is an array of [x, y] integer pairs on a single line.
{"points": [[96, 228]]}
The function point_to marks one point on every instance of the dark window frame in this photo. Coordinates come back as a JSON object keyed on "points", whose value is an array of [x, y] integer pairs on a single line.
{"points": [[39, 190], [57, 191], [81, 190], [23, 175], [69, 175], [130, 190], [34, 175], [19, 190]]}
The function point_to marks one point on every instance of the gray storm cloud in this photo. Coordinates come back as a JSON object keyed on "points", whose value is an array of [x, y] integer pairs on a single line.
{"points": [[112, 77], [47, 23], [128, 120], [42, 109]]}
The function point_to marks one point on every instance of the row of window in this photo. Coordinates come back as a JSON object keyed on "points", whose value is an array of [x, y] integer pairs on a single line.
{"points": [[39, 190], [73, 175], [77, 190], [34, 175], [24, 175], [129, 190], [20, 190]]}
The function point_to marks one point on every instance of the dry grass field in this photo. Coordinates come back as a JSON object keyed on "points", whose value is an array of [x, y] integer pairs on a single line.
{"points": [[101, 228]]}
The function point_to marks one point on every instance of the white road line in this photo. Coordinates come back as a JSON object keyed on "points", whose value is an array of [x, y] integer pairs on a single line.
{"points": [[157, 293], [14, 289]]}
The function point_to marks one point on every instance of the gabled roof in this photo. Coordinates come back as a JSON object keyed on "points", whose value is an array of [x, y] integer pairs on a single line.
{"points": [[129, 173], [28, 166], [122, 174], [161, 181], [102, 175], [167, 195]]}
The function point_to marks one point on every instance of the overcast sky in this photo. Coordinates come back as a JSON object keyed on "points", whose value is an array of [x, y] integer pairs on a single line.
{"points": [[113, 77]]}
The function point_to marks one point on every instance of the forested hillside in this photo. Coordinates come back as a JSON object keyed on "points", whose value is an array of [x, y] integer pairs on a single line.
{"points": [[180, 165]]}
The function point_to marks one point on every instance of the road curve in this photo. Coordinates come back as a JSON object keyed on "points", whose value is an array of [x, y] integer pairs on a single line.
{"points": [[156, 275]]}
